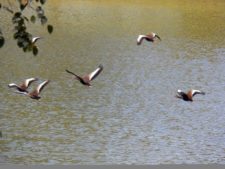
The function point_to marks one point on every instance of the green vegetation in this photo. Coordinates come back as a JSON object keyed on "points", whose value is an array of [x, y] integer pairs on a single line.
{"points": [[20, 21]]}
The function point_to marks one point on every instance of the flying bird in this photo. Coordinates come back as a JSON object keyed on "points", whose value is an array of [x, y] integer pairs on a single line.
{"points": [[24, 86], [149, 37], [85, 80], [36, 92], [189, 95]]}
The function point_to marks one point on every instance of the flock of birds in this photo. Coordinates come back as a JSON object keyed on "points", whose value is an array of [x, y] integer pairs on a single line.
{"points": [[86, 80]]}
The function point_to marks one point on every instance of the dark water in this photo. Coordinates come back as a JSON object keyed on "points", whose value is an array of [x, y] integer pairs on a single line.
{"points": [[130, 115]]}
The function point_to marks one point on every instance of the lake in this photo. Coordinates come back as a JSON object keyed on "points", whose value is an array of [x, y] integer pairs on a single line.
{"points": [[131, 114]]}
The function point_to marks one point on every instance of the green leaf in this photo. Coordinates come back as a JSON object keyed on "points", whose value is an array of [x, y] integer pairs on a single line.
{"points": [[35, 50], [33, 19], [29, 48], [26, 43], [20, 22], [20, 28], [24, 49], [50, 28], [16, 35], [17, 18], [44, 20], [2, 41], [39, 10], [19, 43], [42, 1], [17, 14]]}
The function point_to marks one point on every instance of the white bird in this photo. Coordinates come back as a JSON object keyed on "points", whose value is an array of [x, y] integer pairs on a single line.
{"points": [[24, 86], [149, 37], [85, 80], [35, 93], [189, 95]]}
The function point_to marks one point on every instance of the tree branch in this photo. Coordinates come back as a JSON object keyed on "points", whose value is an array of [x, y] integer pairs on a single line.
{"points": [[8, 9]]}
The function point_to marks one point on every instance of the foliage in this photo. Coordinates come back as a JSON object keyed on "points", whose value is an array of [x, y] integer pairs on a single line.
{"points": [[20, 21]]}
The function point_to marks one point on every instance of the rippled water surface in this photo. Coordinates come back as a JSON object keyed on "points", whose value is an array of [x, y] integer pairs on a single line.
{"points": [[130, 115]]}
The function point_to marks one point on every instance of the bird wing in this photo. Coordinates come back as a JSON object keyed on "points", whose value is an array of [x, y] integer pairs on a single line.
{"points": [[194, 92], [95, 73], [13, 85], [181, 94], [19, 92], [28, 82], [140, 39], [158, 37], [41, 86], [78, 77], [34, 39], [178, 96]]}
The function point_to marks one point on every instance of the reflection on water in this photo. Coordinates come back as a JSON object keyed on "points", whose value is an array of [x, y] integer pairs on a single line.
{"points": [[130, 115]]}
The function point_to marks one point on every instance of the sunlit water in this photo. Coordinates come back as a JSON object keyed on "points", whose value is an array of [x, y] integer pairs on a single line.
{"points": [[130, 115]]}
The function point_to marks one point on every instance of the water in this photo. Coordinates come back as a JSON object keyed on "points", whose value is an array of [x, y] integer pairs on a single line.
{"points": [[130, 115]]}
